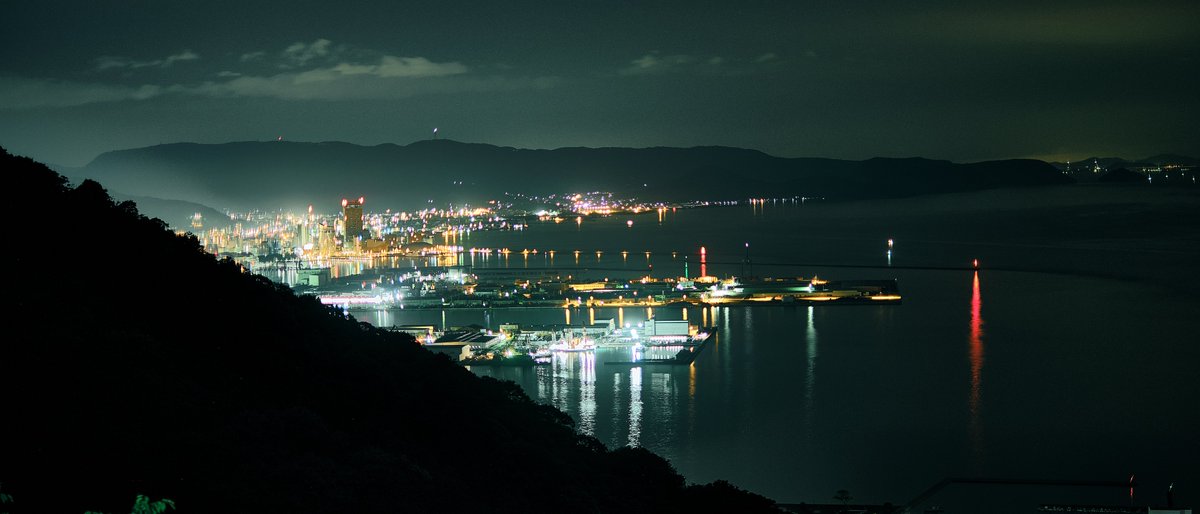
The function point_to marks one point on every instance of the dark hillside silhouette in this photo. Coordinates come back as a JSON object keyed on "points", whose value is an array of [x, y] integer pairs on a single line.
{"points": [[177, 213], [272, 175], [135, 363]]}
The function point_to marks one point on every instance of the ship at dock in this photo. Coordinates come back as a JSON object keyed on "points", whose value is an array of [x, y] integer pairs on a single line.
{"points": [[653, 341]]}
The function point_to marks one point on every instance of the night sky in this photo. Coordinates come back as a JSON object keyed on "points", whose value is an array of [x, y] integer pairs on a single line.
{"points": [[940, 79]]}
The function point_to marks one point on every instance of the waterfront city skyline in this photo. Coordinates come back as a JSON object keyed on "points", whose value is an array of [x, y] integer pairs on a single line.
{"points": [[776, 257]]}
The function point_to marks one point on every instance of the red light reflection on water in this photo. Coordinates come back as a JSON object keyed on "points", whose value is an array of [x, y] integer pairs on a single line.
{"points": [[976, 357]]}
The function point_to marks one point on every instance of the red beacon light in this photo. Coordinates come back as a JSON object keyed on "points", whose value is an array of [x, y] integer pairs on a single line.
{"points": [[975, 263]]}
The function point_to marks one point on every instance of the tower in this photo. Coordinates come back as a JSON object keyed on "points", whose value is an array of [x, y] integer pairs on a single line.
{"points": [[352, 211]]}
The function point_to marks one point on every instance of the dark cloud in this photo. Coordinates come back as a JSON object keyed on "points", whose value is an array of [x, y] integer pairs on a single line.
{"points": [[108, 62], [945, 79]]}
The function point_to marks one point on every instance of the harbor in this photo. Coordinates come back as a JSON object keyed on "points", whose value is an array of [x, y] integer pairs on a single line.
{"points": [[468, 287], [805, 377], [649, 340]]}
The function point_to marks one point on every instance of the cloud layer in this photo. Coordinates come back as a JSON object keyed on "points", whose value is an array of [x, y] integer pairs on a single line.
{"points": [[22, 93], [655, 62], [109, 62], [318, 70]]}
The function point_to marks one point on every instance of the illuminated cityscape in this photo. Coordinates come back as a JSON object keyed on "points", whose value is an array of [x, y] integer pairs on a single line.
{"points": [[601, 257]]}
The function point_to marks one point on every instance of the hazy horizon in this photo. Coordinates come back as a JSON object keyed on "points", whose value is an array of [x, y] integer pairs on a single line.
{"points": [[1046, 158]]}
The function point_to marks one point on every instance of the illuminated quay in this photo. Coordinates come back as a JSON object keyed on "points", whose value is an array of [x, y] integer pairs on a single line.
{"points": [[467, 287]]}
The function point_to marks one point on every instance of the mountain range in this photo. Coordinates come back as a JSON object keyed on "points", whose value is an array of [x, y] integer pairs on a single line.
{"points": [[270, 175], [1120, 162]]}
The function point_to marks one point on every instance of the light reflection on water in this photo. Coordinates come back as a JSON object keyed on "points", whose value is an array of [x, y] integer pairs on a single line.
{"points": [[891, 383], [899, 408], [635, 406], [810, 376], [587, 396], [976, 358]]}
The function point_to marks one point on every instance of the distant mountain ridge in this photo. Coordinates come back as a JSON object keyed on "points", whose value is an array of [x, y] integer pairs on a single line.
{"points": [[245, 175], [1118, 162]]}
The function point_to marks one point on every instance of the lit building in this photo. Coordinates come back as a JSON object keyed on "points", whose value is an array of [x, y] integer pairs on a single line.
{"points": [[325, 240], [353, 215]]}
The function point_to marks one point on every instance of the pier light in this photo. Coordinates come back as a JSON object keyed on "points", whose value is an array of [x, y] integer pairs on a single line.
{"points": [[629, 223]]}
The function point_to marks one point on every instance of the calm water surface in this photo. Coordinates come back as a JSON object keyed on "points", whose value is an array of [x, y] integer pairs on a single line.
{"points": [[978, 374]]}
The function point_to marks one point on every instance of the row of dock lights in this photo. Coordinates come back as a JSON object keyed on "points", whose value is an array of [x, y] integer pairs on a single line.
{"points": [[891, 243], [534, 251]]}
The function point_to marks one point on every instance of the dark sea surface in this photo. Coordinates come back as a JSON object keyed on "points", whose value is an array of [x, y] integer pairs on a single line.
{"points": [[1071, 354]]}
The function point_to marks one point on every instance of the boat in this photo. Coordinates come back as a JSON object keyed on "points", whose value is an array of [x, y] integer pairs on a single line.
{"points": [[584, 344]]}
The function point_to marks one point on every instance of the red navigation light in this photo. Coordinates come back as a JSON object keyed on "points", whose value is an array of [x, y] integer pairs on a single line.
{"points": [[360, 200], [703, 251], [975, 263], [344, 202]]}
